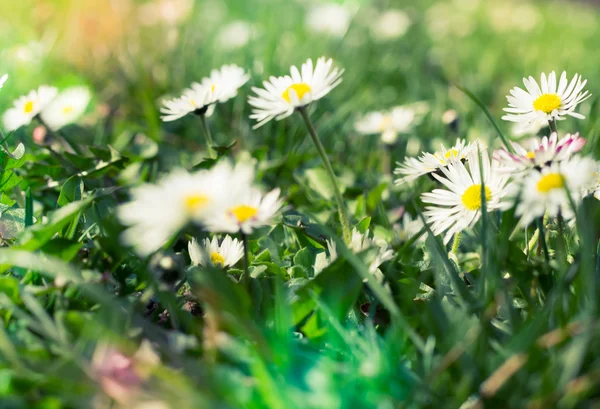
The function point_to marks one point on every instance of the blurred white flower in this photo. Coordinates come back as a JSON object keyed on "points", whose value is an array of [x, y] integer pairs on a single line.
{"points": [[389, 124], [550, 101], [512, 16], [282, 95], [518, 129], [3, 80], [210, 253], [359, 243], [409, 227], [235, 35], [158, 211], [332, 19], [27, 107], [545, 192], [66, 108], [390, 25]]}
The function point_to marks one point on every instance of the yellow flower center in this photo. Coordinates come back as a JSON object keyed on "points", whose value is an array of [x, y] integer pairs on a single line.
{"points": [[547, 103], [67, 110], [28, 108], [551, 181], [300, 90], [212, 87], [216, 259], [471, 199], [385, 123], [243, 212], [451, 154], [530, 155], [194, 202]]}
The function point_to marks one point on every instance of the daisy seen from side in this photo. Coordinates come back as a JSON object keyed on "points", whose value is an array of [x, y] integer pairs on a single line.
{"points": [[427, 163]]}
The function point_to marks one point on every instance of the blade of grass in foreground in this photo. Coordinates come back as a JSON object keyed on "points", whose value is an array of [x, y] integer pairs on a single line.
{"points": [[489, 116]]}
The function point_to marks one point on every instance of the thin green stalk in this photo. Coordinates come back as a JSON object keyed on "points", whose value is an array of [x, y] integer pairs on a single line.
{"points": [[209, 140], [246, 263], [552, 124], [338, 196], [456, 242], [542, 238]]}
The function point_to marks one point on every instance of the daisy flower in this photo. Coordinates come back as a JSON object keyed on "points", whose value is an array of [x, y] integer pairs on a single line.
{"points": [[359, 243], [212, 254], [389, 124], [27, 107], [281, 96], [198, 100], [547, 102], [222, 85], [409, 227], [157, 212], [226, 81], [458, 205], [66, 108], [244, 210], [427, 163], [545, 191], [542, 152]]}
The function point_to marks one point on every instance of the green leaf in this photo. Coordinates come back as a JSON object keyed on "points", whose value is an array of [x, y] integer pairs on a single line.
{"points": [[363, 225], [319, 181], [12, 222], [71, 191]]}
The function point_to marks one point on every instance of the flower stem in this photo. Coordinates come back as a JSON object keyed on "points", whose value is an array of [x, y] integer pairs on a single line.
{"points": [[552, 124], [246, 263], [209, 140], [338, 196], [456, 242]]}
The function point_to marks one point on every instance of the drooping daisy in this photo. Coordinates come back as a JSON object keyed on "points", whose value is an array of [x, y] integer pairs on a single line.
{"points": [[226, 81], [212, 254], [545, 191], [427, 163], [542, 152], [198, 100], [27, 107], [244, 210], [66, 108], [359, 243], [158, 211], [3, 80], [546, 102], [281, 96], [389, 124], [458, 205]]}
